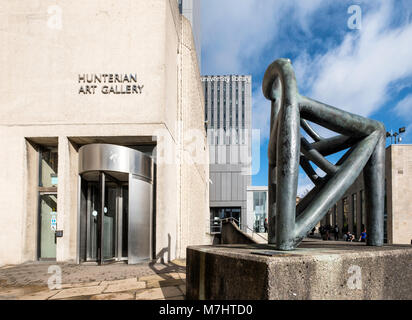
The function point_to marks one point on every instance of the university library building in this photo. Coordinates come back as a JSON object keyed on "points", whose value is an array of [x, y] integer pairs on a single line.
{"points": [[96, 130]]}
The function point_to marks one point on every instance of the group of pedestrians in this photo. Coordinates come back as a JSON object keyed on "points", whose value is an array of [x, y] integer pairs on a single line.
{"points": [[327, 230]]}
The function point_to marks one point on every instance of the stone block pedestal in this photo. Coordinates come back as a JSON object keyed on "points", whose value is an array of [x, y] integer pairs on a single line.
{"points": [[316, 270]]}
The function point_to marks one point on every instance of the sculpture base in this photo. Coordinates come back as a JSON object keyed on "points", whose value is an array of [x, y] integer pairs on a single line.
{"points": [[316, 270]]}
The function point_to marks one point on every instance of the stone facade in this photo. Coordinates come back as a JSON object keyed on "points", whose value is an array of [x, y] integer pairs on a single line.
{"points": [[45, 49], [350, 209]]}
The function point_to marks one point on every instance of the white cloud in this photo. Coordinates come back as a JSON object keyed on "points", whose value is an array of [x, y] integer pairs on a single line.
{"points": [[235, 32], [356, 75], [404, 107]]}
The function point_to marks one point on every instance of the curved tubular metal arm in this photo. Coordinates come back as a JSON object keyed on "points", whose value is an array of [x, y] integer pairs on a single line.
{"points": [[314, 156], [310, 131], [303, 203], [337, 120], [313, 176], [333, 145]]}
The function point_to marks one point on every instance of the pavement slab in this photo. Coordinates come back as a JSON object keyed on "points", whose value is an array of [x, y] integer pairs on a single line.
{"points": [[114, 296], [78, 292], [79, 285], [159, 293], [117, 281], [125, 285], [164, 283], [41, 295]]}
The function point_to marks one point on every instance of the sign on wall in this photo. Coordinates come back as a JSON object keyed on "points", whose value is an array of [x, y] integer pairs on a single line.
{"points": [[109, 84], [53, 220]]}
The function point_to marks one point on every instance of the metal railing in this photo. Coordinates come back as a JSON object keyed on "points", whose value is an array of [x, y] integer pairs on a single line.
{"points": [[216, 227]]}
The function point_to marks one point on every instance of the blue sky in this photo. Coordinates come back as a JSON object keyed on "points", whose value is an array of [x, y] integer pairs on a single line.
{"points": [[367, 71]]}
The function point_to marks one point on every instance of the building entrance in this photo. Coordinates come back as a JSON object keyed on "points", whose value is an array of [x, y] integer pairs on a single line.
{"points": [[115, 214], [217, 214], [106, 216]]}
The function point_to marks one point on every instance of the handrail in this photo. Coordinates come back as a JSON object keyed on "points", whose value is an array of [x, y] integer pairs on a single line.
{"points": [[240, 225]]}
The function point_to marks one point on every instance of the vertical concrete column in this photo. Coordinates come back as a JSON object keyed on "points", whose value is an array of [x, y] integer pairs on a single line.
{"points": [[351, 213], [30, 232], [358, 211], [250, 219], [243, 218], [63, 156], [67, 188], [73, 200], [339, 206], [389, 193]]}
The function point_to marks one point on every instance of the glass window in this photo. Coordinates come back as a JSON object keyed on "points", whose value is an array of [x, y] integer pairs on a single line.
{"points": [[223, 213], [47, 190], [259, 210], [48, 168]]}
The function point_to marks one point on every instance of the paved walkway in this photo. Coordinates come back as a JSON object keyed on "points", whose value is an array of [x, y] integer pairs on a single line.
{"points": [[80, 282]]}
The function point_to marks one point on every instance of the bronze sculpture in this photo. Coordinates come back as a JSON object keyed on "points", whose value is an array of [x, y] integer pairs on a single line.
{"points": [[288, 149]]}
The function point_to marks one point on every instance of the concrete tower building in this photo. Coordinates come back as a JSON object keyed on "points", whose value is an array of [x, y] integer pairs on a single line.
{"points": [[228, 115]]}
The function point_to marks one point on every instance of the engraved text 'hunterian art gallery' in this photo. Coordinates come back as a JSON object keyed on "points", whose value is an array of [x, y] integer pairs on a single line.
{"points": [[109, 83]]}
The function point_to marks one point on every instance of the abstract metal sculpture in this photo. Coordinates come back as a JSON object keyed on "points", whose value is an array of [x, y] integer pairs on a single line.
{"points": [[365, 138]]}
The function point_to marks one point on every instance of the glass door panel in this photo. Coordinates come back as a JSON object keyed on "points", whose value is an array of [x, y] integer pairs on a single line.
{"points": [[93, 209], [48, 225], [109, 219], [125, 220]]}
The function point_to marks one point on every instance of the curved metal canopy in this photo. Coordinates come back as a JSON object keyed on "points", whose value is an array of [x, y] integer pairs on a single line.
{"points": [[109, 157]]}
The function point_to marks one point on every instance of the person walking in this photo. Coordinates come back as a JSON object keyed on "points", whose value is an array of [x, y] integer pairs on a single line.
{"points": [[328, 230], [266, 225], [336, 232]]}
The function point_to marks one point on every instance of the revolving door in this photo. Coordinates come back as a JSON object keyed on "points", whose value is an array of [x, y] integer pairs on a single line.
{"points": [[115, 212]]}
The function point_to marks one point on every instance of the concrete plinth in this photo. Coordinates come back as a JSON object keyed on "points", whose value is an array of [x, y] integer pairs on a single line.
{"points": [[316, 270]]}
